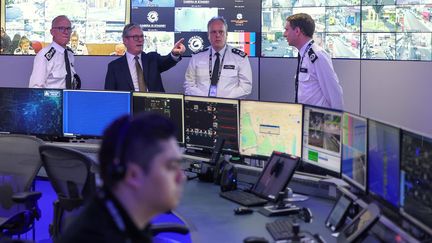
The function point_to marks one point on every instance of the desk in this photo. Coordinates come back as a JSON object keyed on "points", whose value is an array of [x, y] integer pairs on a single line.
{"points": [[211, 218]]}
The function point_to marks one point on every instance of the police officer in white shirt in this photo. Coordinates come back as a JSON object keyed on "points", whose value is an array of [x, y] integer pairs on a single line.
{"points": [[51, 68], [219, 70], [316, 81], [78, 47]]}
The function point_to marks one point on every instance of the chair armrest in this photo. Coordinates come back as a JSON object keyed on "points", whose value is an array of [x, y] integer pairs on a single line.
{"points": [[169, 228], [23, 197]]}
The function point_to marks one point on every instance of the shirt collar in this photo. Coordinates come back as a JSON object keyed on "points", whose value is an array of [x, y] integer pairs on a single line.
{"points": [[58, 47], [221, 52], [302, 50], [131, 57]]}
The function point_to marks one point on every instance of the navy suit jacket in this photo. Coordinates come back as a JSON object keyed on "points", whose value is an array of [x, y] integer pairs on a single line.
{"points": [[118, 76]]}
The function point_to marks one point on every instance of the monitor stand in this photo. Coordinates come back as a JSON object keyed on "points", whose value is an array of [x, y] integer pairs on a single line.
{"points": [[278, 210], [294, 197]]}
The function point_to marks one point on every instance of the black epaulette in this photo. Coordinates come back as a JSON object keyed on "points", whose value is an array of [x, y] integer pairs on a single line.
{"points": [[239, 52], [199, 51], [312, 56], [18, 50], [50, 54]]}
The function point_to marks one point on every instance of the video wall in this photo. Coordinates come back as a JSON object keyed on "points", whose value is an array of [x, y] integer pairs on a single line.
{"points": [[167, 21], [97, 25], [358, 29]]}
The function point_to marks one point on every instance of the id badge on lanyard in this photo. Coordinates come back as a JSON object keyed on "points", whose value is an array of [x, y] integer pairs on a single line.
{"points": [[213, 91]]}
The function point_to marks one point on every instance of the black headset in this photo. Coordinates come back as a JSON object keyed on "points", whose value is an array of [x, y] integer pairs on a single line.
{"points": [[118, 166]]}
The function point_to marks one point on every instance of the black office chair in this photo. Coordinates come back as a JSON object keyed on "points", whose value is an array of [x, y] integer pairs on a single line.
{"points": [[71, 176], [19, 165]]}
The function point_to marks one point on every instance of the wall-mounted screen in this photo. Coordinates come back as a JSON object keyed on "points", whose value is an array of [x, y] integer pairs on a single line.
{"points": [[164, 22], [97, 25]]}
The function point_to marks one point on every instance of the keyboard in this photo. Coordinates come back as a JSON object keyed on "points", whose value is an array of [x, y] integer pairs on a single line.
{"points": [[243, 198], [280, 229]]}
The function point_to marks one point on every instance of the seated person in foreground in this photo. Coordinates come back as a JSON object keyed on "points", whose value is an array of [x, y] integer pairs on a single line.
{"points": [[140, 168]]}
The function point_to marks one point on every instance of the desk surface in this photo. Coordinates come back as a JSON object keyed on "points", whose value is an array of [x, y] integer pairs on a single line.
{"points": [[211, 218]]}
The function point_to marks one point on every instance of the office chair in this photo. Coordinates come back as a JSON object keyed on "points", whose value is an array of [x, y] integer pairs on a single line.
{"points": [[19, 165], [71, 176]]}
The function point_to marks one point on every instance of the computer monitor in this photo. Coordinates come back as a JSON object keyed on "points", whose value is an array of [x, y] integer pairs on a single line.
{"points": [[416, 177], [169, 105], [276, 175], [270, 126], [206, 119], [88, 113], [383, 162], [354, 150], [322, 145], [31, 111]]}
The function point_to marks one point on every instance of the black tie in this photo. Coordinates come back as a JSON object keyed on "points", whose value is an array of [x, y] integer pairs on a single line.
{"points": [[215, 74], [296, 78], [68, 71]]}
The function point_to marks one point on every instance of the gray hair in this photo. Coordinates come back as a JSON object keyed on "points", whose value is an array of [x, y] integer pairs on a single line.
{"points": [[57, 18], [217, 18], [128, 28]]}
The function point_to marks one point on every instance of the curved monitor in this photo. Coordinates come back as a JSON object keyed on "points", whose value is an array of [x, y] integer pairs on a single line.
{"points": [[88, 113], [383, 162], [206, 119], [322, 132], [268, 126], [31, 111], [169, 105], [354, 150]]}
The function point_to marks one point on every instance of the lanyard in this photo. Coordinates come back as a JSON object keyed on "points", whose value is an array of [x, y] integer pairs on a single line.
{"points": [[221, 64], [304, 53]]}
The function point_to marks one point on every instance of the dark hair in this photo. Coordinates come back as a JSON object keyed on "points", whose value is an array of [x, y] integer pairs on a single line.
{"points": [[304, 22], [132, 140]]}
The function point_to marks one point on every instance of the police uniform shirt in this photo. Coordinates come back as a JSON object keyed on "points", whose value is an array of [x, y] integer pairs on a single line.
{"points": [[318, 83], [20, 51], [80, 49], [49, 70], [235, 80]]}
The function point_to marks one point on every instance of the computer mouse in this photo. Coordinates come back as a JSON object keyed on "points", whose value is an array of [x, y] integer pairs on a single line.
{"points": [[255, 239], [242, 210]]}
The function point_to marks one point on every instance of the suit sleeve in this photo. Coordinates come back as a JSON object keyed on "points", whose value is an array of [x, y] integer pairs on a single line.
{"points": [[110, 82], [329, 82], [244, 87], [40, 72], [166, 62]]}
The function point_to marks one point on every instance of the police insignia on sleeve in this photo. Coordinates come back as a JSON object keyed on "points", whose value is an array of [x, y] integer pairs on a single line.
{"points": [[50, 54], [238, 52], [312, 56]]}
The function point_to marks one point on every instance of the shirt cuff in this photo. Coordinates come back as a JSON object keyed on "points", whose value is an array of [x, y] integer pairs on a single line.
{"points": [[175, 58]]}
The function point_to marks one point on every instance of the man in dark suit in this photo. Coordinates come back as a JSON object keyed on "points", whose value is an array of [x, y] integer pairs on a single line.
{"points": [[139, 71]]}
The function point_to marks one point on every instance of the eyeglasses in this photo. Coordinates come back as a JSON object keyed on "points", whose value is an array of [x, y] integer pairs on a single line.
{"points": [[136, 37], [63, 29]]}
